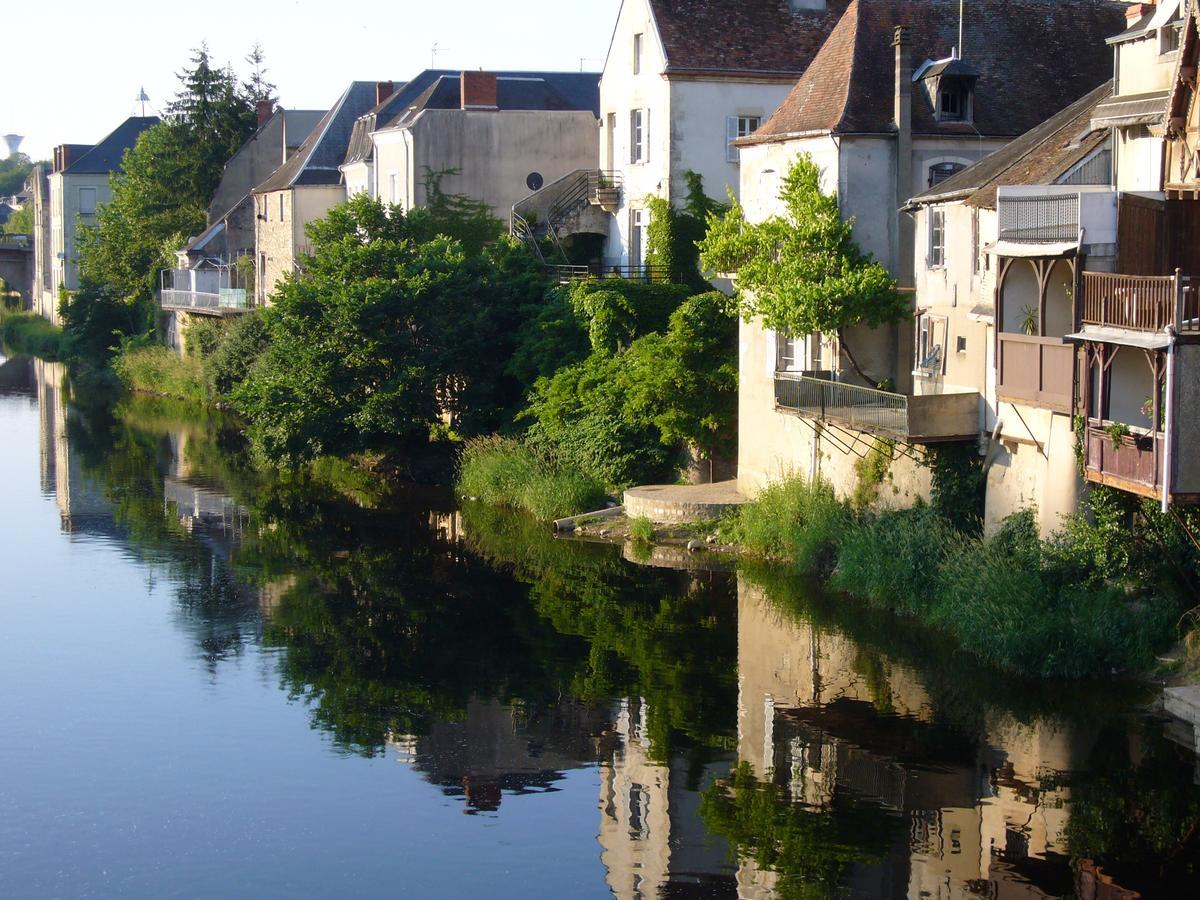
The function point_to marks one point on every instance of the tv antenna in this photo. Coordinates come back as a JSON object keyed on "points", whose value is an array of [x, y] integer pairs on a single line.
{"points": [[433, 54], [143, 99]]}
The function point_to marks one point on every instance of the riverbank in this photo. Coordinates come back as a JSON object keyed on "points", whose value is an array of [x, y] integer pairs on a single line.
{"points": [[28, 334]]}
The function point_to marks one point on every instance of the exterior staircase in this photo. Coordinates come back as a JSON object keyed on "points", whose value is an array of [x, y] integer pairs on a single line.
{"points": [[577, 203]]}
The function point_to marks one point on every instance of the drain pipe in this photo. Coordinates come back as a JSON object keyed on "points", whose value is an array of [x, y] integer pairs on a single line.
{"points": [[1168, 420]]}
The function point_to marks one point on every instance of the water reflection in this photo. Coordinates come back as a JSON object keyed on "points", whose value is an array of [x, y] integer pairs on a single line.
{"points": [[746, 734]]}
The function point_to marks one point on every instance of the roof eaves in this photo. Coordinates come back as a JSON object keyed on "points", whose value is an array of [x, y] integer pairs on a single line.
{"points": [[751, 140]]}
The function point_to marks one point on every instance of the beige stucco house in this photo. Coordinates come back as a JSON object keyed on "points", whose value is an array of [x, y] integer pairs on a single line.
{"points": [[900, 97], [495, 136], [76, 186]]}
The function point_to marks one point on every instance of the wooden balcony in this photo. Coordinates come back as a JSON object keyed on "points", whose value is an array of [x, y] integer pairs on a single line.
{"points": [[1147, 303], [1130, 463], [915, 419], [1036, 370]]}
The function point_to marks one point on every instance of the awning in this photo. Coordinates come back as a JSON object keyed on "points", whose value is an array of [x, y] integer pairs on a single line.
{"points": [[1132, 109], [1145, 340], [1028, 251]]}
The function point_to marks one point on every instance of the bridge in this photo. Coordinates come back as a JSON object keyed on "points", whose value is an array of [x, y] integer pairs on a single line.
{"points": [[16, 265]]}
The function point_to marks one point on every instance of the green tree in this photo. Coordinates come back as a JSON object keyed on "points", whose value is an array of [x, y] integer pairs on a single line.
{"points": [[673, 236], [802, 272], [13, 172], [20, 222]]}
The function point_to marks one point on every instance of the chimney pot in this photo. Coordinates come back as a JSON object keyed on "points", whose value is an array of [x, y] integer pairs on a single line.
{"points": [[264, 108], [479, 90], [383, 90]]}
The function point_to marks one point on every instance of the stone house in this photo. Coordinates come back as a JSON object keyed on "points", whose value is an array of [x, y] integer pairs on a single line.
{"points": [[304, 188], [900, 97], [76, 186], [495, 136]]}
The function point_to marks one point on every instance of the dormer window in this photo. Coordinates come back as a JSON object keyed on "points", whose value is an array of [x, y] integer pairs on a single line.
{"points": [[950, 104], [949, 86]]}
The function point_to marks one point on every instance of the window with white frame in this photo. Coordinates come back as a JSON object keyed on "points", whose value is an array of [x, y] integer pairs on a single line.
{"points": [[929, 352], [738, 127], [790, 352], [282, 213], [638, 40], [639, 135], [639, 219], [394, 187], [87, 201], [975, 242], [1169, 38], [936, 257]]}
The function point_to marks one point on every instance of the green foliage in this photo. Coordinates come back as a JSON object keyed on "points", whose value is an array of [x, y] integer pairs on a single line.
{"points": [[673, 235], [958, 484], [641, 529], [801, 272], [468, 221], [13, 172], [389, 326], [242, 342], [20, 222], [166, 181], [794, 521], [158, 370], [96, 318], [30, 335], [871, 471], [203, 335], [1010, 600], [619, 415], [505, 472]]}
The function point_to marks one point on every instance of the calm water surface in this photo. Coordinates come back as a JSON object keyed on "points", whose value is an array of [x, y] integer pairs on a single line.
{"points": [[216, 683]]}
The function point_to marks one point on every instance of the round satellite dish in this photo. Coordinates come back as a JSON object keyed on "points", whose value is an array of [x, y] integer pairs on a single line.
{"points": [[535, 181]]}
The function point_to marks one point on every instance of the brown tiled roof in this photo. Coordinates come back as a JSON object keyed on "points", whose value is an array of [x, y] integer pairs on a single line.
{"points": [[746, 37], [1031, 56], [1040, 156]]}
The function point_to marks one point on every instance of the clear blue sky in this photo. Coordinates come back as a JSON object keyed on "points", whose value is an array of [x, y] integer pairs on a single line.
{"points": [[72, 69]]}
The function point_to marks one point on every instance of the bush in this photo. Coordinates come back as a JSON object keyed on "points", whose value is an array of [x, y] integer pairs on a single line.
{"points": [[641, 529], [794, 521], [505, 472], [31, 335], [241, 344], [157, 370]]}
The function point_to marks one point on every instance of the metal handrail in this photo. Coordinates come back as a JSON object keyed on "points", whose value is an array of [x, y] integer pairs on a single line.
{"points": [[862, 408]]}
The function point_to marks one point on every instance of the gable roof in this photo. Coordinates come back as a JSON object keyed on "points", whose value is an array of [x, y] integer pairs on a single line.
{"points": [[107, 155], [1040, 156], [317, 160], [746, 37], [1028, 55], [441, 89]]}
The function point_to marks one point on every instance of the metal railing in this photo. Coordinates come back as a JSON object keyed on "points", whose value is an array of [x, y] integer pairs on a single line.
{"points": [[861, 408], [202, 289], [647, 274], [1039, 220], [1140, 302]]}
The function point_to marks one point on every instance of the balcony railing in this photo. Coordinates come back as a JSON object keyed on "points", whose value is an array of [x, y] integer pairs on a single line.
{"points": [[1037, 370], [630, 273], [1039, 220], [1140, 302], [1131, 462], [203, 290], [917, 419]]}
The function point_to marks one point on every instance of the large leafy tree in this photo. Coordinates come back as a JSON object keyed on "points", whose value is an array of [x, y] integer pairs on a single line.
{"points": [[161, 193], [801, 271], [391, 324]]}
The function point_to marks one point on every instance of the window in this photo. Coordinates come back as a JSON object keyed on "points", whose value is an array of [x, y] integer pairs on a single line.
{"points": [[638, 220], [394, 183], [637, 54], [974, 242], [87, 201], [950, 105], [1168, 38], [282, 217], [639, 127], [937, 238], [789, 352], [930, 339], [738, 127], [610, 138], [939, 172]]}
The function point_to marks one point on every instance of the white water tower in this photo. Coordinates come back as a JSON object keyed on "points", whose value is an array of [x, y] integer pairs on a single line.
{"points": [[12, 143]]}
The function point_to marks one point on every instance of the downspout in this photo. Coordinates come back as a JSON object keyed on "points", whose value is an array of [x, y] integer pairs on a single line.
{"points": [[1168, 420]]}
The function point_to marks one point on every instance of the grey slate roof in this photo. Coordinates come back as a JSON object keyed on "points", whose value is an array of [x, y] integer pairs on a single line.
{"points": [[317, 160], [107, 155], [1040, 155]]}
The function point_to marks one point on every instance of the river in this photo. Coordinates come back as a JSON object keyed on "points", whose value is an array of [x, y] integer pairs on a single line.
{"points": [[216, 682]]}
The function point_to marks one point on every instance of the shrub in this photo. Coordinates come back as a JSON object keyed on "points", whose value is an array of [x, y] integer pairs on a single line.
{"points": [[505, 472], [230, 362], [795, 521], [157, 370]]}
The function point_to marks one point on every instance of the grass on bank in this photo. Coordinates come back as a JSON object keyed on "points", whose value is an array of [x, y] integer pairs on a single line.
{"points": [[161, 371], [505, 472], [1034, 607], [30, 335]]}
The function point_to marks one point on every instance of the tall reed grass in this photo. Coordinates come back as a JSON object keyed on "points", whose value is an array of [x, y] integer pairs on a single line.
{"points": [[505, 472]]}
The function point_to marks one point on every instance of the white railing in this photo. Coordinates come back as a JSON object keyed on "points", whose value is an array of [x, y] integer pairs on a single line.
{"points": [[205, 289]]}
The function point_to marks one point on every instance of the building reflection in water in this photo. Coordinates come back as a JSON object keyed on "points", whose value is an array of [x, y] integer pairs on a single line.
{"points": [[983, 816]]}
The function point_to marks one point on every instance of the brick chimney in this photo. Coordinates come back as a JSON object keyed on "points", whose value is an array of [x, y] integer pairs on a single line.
{"points": [[902, 118], [383, 90], [479, 90], [1135, 11], [265, 109]]}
